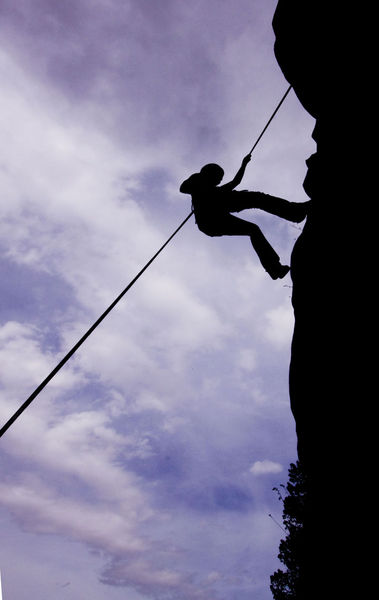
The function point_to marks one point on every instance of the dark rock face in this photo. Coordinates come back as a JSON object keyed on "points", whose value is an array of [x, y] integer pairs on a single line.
{"points": [[322, 52], [326, 256]]}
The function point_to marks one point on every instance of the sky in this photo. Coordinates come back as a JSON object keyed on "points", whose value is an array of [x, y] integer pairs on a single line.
{"points": [[144, 470]]}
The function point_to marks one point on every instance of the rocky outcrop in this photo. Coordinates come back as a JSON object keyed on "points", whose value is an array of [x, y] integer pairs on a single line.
{"points": [[321, 50]]}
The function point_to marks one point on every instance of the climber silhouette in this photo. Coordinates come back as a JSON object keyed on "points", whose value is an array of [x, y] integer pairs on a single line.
{"points": [[212, 205]]}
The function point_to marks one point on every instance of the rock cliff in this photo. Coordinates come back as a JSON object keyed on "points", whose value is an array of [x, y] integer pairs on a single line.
{"points": [[322, 51]]}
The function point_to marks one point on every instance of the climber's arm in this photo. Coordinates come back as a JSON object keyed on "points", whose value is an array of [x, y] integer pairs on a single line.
{"points": [[239, 175]]}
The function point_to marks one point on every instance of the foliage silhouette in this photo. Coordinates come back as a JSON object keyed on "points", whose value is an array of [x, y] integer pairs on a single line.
{"points": [[288, 585]]}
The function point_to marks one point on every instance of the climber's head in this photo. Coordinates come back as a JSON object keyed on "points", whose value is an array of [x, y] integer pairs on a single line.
{"points": [[212, 174]]}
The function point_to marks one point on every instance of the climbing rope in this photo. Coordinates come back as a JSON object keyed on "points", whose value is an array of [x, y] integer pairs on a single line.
{"points": [[108, 310], [270, 119]]}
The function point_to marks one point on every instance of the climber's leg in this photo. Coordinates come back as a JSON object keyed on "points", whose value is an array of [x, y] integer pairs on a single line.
{"points": [[291, 211], [269, 259], [231, 225]]}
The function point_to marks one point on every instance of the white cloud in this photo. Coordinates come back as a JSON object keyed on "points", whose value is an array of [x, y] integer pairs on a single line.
{"points": [[23, 366], [42, 511], [265, 467], [247, 359], [279, 325]]}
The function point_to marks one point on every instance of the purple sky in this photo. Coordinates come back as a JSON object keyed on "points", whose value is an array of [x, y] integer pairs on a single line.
{"points": [[145, 469]]}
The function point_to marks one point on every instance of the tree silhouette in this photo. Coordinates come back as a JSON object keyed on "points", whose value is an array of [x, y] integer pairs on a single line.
{"points": [[287, 585]]}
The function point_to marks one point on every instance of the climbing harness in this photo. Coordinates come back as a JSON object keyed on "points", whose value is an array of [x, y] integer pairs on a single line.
{"points": [[108, 310]]}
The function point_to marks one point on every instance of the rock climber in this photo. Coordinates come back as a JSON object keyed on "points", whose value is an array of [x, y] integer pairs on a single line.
{"points": [[213, 204]]}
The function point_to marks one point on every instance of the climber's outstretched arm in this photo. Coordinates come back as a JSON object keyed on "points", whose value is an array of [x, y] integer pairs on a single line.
{"points": [[239, 175]]}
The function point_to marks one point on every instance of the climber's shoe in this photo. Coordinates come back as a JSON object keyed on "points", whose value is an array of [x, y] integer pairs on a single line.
{"points": [[279, 272]]}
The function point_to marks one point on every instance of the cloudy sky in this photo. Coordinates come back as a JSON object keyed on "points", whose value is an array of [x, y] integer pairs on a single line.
{"points": [[145, 469]]}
